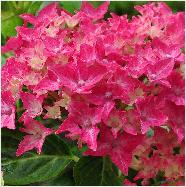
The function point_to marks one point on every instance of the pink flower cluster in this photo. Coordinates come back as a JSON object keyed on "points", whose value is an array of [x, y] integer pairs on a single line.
{"points": [[117, 78]]}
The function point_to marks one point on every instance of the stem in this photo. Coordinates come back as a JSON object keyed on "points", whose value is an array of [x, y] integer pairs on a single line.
{"points": [[20, 109], [75, 158]]}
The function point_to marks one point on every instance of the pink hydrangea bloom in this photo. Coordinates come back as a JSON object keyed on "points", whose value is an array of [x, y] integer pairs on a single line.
{"points": [[176, 120], [35, 138], [79, 78], [7, 110], [156, 156], [82, 124], [126, 182], [32, 105], [114, 79], [94, 13], [150, 113], [176, 92], [119, 149]]}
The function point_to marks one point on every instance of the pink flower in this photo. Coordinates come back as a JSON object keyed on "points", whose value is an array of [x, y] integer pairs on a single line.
{"points": [[46, 15], [119, 150], [80, 78], [165, 60], [7, 110], [82, 124], [48, 83], [32, 105], [176, 115], [116, 120], [150, 113], [128, 183], [123, 86], [177, 90], [35, 56], [35, 138], [154, 155], [114, 79], [132, 124], [13, 74], [94, 13], [12, 44]]}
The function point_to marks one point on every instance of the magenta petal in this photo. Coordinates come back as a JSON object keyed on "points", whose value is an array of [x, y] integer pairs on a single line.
{"points": [[7, 110], [37, 134], [150, 113], [32, 104], [89, 136]]}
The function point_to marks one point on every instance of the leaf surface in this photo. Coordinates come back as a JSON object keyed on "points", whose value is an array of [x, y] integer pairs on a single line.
{"points": [[96, 171]]}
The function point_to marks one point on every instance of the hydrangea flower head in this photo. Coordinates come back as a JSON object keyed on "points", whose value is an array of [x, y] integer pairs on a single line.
{"points": [[107, 81]]}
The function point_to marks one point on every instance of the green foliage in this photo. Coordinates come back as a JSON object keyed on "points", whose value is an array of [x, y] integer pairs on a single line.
{"points": [[10, 15], [9, 22], [34, 7], [71, 6], [66, 179], [9, 142], [35, 168], [31, 167], [55, 146], [96, 171], [55, 166], [3, 60]]}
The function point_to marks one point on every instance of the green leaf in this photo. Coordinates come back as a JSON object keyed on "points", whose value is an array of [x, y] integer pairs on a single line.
{"points": [[55, 145], [95, 171], [71, 6], [31, 167], [9, 142], [66, 179], [8, 5], [131, 174], [3, 60], [35, 168], [4, 57], [10, 15], [74, 148], [34, 7], [9, 23]]}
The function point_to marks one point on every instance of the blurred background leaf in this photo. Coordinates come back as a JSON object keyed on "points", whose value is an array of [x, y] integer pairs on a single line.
{"points": [[71, 6], [3, 60], [10, 11], [34, 7], [9, 22]]}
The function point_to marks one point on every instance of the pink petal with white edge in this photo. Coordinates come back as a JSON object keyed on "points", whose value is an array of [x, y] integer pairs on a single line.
{"points": [[37, 134], [7, 110], [32, 104], [89, 136], [12, 44], [151, 113], [94, 13]]}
